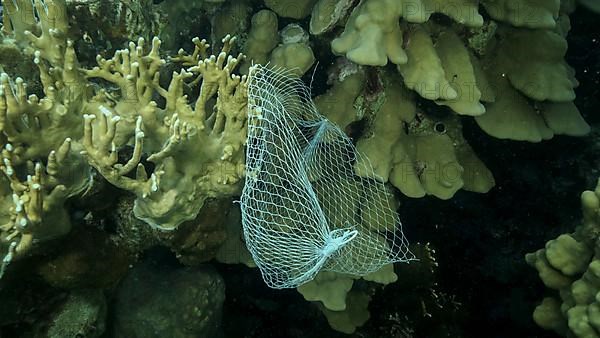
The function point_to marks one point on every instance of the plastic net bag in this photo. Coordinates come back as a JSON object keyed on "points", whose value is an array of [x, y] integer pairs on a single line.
{"points": [[304, 208]]}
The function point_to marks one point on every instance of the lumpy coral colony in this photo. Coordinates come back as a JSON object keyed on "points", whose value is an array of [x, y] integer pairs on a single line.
{"points": [[171, 129]]}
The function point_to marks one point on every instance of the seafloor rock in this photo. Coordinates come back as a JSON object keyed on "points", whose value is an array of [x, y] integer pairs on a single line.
{"points": [[87, 259], [82, 315], [158, 300]]}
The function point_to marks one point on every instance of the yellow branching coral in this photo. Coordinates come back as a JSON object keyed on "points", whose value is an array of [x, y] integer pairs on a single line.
{"points": [[55, 117], [136, 75], [41, 164], [570, 265], [18, 17], [197, 149], [25, 119], [38, 25], [35, 212]]}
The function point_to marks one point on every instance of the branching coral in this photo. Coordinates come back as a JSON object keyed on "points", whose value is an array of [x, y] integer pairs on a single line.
{"points": [[40, 175], [570, 265], [197, 155], [195, 147], [36, 213]]}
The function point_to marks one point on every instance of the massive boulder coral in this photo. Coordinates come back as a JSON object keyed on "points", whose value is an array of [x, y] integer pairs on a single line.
{"points": [[345, 308], [373, 33], [535, 86], [507, 71], [570, 265], [289, 48], [526, 13], [449, 64], [190, 302], [418, 154]]}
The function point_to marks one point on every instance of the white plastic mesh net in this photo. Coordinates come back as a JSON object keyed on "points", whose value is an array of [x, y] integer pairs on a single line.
{"points": [[304, 209]]}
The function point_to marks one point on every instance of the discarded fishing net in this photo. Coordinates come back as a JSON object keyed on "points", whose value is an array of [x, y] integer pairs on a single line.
{"points": [[304, 208]]}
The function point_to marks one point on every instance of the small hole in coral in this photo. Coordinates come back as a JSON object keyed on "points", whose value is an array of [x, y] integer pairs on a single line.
{"points": [[439, 128]]}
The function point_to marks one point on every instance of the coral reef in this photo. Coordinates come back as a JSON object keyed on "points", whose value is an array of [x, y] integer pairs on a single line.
{"points": [[57, 168], [121, 131]]}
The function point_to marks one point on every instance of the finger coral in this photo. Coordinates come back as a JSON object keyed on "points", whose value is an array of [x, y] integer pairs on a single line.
{"points": [[569, 264], [39, 176], [196, 149], [195, 146]]}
